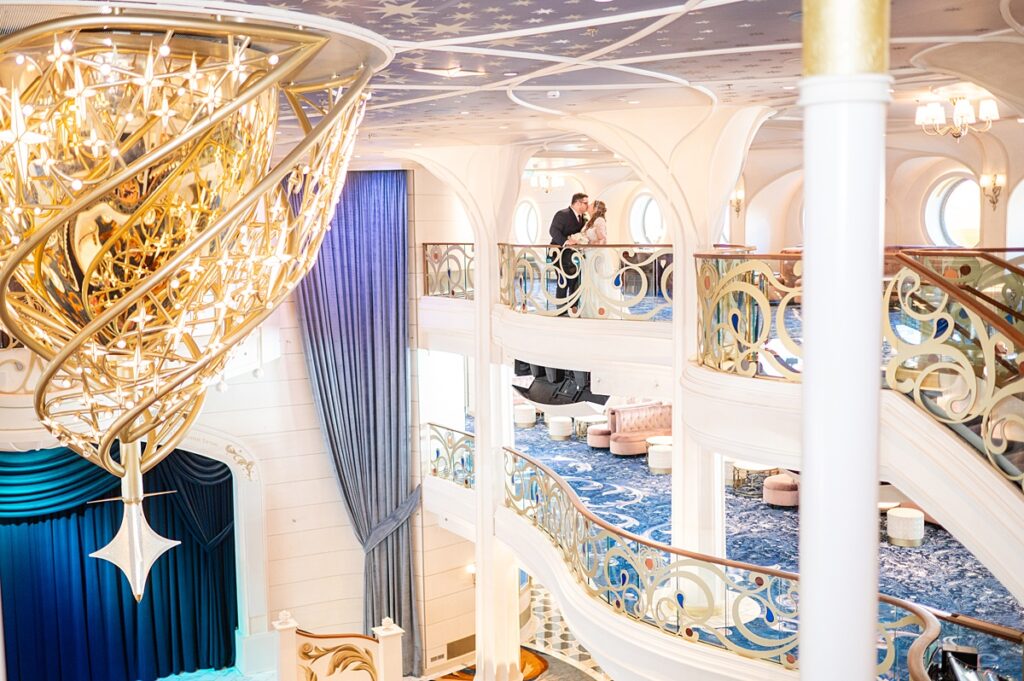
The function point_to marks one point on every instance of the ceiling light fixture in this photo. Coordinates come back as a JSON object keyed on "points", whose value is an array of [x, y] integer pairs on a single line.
{"points": [[134, 280], [546, 181], [932, 117]]}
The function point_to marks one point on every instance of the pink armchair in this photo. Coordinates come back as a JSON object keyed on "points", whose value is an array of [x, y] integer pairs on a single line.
{"points": [[632, 424]]}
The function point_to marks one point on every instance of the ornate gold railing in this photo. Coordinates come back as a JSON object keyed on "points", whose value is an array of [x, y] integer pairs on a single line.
{"points": [[953, 354], [448, 270], [746, 609], [450, 455], [613, 281]]}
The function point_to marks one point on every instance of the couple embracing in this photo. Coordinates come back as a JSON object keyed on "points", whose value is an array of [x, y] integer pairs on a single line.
{"points": [[573, 226]]}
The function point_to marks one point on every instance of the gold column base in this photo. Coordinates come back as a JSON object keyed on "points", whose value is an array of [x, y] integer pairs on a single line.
{"points": [[559, 437], [906, 543]]}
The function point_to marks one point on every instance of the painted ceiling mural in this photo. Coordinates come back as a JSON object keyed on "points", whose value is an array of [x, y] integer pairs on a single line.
{"points": [[469, 70]]}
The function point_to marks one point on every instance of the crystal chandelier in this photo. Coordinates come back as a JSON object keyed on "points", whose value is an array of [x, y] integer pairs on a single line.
{"points": [[145, 225], [932, 117]]}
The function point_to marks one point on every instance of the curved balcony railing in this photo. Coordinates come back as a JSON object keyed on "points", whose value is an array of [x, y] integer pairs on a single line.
{"points": [[591, 282], [746, 609], [448, 270], [953, 354], [450, 455]]}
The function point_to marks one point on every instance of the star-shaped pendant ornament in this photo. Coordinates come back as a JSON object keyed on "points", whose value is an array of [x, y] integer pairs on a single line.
{"points": [[135, 548]]}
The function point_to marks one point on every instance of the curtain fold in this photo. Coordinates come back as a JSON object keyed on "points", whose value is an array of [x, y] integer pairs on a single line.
{"points": [[354, 318], [68, 617]]}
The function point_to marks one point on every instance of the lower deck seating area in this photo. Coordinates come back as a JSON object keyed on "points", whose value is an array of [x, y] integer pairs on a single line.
{"points": [[940, 573]]}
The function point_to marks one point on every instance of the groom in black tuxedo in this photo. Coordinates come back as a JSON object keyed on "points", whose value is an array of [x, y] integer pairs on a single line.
{"points": [[567, 222]]}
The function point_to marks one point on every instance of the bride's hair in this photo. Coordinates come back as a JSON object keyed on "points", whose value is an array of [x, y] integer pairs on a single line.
{"points": [[598, 212]]}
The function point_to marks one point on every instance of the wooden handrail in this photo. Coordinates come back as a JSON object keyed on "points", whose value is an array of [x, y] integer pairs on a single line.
{"points": [[990, 628], [309, 634], [447, 243], [750, 256], [955, 291]]}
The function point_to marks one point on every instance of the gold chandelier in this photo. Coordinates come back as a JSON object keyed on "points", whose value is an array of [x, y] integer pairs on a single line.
{"points": [[932, 117], [145, 227]]}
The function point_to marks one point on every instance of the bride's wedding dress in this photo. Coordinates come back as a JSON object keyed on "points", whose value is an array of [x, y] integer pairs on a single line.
{"points": [[602, 298]]}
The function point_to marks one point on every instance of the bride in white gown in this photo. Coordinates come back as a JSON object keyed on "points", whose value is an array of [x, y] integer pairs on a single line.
{"points": [[602, 297]]}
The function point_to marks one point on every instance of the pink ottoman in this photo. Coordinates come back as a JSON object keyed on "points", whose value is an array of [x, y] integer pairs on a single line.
{"points": [[633, 443], [781, 490], [599, 436]]}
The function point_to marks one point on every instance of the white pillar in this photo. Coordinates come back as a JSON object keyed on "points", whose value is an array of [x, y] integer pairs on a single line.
{"points": [[845, 95], [389, 652], [287, 651], [698, 498]]}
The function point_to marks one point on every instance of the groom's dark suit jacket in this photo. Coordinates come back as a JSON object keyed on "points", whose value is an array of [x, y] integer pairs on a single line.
{"points": [[563, 225]]}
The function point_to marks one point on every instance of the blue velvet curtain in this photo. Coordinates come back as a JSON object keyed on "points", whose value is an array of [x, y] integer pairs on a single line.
{"points": [[354, 309], [68, 617]]}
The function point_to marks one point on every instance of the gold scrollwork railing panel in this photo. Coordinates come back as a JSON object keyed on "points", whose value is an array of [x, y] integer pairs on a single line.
{"points": [[448, 270], [591, 282], [748, 610], [336, 657], [958, 366], [955, 356], [749, 315], [451, 455]]}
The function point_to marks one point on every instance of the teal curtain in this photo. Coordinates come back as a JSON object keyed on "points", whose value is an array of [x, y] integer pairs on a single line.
{"points": [[68, 617]]}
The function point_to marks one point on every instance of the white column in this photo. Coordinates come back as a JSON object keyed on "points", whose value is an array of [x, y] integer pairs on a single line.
{"points": [[698, 497], [845, 97]]}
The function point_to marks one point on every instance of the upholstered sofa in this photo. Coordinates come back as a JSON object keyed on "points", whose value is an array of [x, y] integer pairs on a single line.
{"points": [[630, 426]]}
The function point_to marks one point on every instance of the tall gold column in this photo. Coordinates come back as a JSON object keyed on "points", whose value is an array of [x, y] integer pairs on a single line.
{"points": [[845, 95]]}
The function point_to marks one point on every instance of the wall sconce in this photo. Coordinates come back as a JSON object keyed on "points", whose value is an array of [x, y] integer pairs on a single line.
{"points": [[471, 569], [992, 187], [736, 200]]}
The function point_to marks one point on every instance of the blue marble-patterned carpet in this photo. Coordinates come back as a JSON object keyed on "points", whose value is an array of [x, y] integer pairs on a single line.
{"points": [[941, 573]]}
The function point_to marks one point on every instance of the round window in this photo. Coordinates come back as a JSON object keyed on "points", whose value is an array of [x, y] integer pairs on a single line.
{"points": [[953, 213], [645, 220], [525, 224]]}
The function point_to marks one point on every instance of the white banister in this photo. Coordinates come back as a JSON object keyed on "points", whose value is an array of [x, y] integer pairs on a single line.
{"points": [[286, 647], [389, 653]]}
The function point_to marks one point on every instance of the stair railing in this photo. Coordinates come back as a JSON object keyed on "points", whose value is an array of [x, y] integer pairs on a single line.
{"points": [[957, 356]]}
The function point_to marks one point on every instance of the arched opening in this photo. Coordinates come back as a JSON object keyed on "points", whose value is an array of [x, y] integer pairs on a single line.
{"points": [[1015, 217]]}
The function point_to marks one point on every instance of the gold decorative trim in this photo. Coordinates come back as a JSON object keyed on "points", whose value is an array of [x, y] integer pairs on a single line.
{"points": [[845, 37]]}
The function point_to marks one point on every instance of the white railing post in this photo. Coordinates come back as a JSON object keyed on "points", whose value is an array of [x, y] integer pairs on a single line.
{"points": [[287, 655], [389, 638]]}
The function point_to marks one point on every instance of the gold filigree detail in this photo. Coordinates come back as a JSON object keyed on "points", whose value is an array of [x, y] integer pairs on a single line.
{"points": [[342, 658], [448, 270], [147, 228], [451, 455]]}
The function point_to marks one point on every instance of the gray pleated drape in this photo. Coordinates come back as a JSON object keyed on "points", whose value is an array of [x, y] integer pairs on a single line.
{"points": [[354, 318]]}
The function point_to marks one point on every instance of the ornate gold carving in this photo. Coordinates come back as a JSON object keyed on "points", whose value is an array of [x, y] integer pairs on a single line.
{"points": [[841, 37], [615, 282], [146, 229], [344, 657], [448, 270], [451, 455]]}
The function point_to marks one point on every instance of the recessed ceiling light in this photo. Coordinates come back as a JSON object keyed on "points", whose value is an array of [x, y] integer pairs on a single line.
{"points": [[634, 101], [463, 113], [509, 74], [789, 87], [602, 0]]}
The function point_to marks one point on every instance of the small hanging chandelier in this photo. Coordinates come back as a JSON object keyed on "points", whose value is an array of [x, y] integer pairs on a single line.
{"points": [[932, 117]]}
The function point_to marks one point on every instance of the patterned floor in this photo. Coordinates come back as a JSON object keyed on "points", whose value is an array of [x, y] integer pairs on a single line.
{"points": [[554, 638]]}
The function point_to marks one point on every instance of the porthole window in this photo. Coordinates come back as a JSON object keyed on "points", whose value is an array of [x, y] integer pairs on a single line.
{"points": [[525, 224], [952, 214], [645, 220]]}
